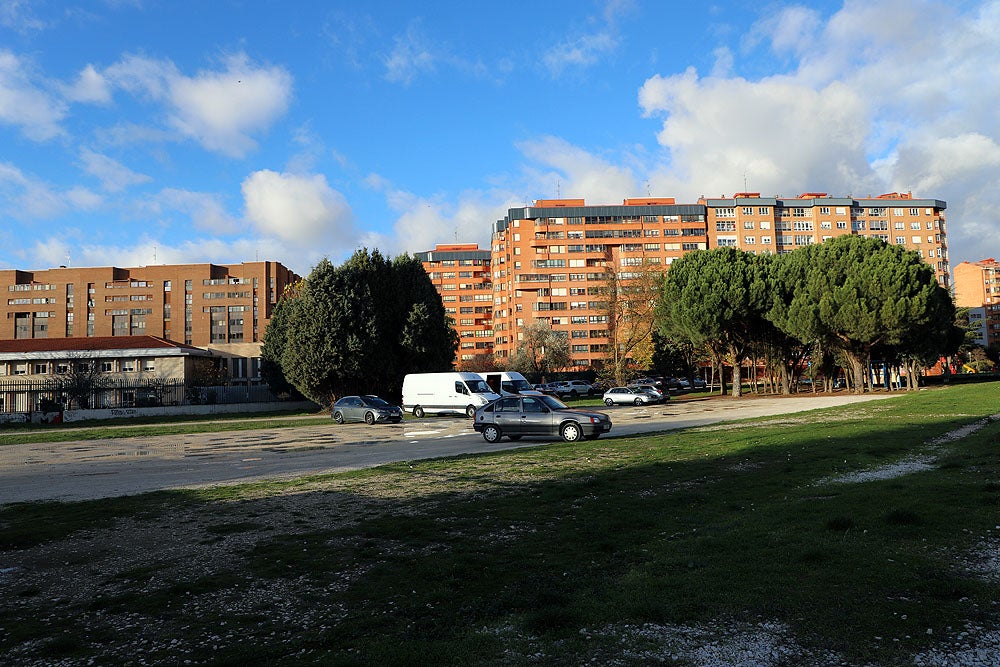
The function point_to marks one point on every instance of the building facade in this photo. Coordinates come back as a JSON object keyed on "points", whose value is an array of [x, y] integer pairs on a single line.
{"points": [[223, 309], [461, 274], [550, 261], [977, 287], [773, 224]]}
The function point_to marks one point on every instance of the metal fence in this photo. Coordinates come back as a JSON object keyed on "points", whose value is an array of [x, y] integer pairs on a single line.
{"points": [[27, 396]]}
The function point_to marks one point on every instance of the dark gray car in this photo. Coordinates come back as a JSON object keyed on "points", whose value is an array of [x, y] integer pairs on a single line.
{"points": [[547, 416], [368, 409]]}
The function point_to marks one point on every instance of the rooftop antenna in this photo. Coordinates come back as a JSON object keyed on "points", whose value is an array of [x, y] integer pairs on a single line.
{"points": [[154, 254], [649, 193], [558, 189], [745, 187], [67, 258]]}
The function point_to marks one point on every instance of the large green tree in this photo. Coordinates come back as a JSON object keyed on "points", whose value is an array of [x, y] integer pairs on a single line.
{"points": [[852, 294], [359, 328], [716, 298]]}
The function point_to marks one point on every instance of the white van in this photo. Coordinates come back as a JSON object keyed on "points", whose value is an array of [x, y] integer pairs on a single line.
{"points": [[507, 383], [445, 393]]}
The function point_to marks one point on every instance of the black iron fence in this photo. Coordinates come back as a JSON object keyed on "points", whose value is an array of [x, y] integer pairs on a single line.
{"points": [[27, 396]]}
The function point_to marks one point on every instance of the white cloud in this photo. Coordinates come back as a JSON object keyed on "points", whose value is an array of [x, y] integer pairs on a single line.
{"points": [[300, 210], [27, 199], [114, 176], [17, 15], [409, 56], [25, 105], [881, 96], [423, 223], [575, 173], [205, 210], [220, 109], [90, 86], [588, 47]]}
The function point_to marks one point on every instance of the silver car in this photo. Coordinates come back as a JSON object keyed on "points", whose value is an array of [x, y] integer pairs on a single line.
{"points": [[518, 416], [368, 409], [629, 396]]}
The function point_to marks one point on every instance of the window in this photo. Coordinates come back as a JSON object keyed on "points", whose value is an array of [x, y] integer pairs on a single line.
{"points": [[915, 240], [748, 224], [749, 240], [107, 366]]}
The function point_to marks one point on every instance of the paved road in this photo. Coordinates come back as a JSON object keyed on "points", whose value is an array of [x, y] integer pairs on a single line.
{"points": [[125, 466]]}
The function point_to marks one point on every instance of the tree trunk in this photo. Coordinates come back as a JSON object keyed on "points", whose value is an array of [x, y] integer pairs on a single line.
{"points": [[857, 373], [737, 390]]}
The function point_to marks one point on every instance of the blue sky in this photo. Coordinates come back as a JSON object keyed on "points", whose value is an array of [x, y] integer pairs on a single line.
{"points": [[135, 132]]}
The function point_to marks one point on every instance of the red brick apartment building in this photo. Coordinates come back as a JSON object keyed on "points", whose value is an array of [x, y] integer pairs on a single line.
{"points": [[774, 224], [223, 309], [548, 260], [977, 287], [461, 274]]}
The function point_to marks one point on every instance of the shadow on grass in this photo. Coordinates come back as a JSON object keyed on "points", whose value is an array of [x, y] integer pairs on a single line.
{"points": [[494, 558]]}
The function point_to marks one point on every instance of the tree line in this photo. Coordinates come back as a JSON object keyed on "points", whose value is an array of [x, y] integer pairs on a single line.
{"points": [[850, 299], [360, 327]]}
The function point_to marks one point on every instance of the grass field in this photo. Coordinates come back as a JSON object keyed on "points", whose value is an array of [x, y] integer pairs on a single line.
{"points": [[755, 542]]}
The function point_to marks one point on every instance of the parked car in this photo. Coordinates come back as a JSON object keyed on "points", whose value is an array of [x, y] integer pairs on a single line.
{"points": [[368, 409], [651, 389], [628, 396], [547, 416], [698, 383], [546, 388], [572, 388]]}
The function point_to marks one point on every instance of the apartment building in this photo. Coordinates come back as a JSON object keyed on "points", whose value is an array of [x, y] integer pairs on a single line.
{"points": [[773, 224], [223, 309], [550, 260], [550, 263], [461, 274], [977, 287]]}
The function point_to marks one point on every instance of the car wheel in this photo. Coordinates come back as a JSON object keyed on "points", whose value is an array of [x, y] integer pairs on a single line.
{"points": [[609, 401], [470, 411], [491, 433], [638, 401], [573, 394], [418, 411], [338, 417], [369, 418], [571, 432]]}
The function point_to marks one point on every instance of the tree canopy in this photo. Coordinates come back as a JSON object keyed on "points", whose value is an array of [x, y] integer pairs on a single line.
{"points": [[849, 295], [358, 328]]}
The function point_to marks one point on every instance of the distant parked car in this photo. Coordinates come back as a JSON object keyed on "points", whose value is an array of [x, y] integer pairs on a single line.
{"points": [[547, 416], [698, 383], [628, 396], [651, 389], [368, 409], [572, 388]]}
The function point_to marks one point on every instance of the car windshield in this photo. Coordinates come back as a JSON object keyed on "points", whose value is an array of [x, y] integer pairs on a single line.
{"points": [[478, 387], [519, 385], [553, 403], [373, 401]]}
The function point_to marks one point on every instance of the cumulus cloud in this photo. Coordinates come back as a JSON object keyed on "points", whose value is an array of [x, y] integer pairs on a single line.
{"points": [[25, 105], [205, 210], [881, 96], [220, 109], [25, 198], [90, 86], [300, 210], [572, 172], [114, 176]]}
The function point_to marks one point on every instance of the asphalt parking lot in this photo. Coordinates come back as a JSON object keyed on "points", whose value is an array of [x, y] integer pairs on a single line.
{"points": [[125, 466]]}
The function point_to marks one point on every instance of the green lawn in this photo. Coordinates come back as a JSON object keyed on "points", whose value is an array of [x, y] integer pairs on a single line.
{"points": [[627, 551]]}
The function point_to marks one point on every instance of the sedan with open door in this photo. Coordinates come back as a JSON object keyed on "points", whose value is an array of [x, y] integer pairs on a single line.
{"points": [[368, 409], [544, 416]]}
